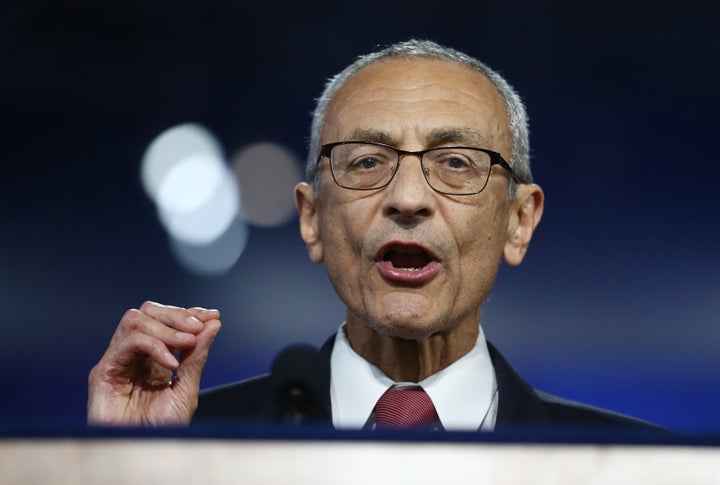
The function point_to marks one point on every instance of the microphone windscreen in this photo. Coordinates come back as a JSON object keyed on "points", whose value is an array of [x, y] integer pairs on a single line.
{"points": [[300, 384]]}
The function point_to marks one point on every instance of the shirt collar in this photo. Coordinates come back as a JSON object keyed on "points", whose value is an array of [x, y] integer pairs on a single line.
{"points": [[462, 393]]}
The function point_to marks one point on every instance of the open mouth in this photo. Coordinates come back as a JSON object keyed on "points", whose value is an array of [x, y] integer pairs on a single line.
{"points": [[412, 258], [407, 263]]}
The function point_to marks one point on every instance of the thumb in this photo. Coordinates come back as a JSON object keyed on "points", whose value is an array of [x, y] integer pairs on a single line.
{"points": [[192, 361]]}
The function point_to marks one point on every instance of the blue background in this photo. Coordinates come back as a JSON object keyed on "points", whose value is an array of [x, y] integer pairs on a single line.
{"points": [[617, 304]]}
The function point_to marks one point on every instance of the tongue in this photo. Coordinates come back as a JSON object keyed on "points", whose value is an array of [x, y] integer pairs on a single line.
{"points": [[401, 260]]}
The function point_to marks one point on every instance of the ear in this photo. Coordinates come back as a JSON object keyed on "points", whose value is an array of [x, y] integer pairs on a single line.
{"points": [[305, 202], [527, 210]]}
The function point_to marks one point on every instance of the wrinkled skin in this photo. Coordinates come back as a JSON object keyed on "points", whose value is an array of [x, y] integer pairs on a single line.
{"points": [[131, 383], [413, 330]]}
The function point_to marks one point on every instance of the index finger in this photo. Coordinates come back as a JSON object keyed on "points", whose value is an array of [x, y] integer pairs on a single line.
{"points": [[204, 314], [175, 317]]}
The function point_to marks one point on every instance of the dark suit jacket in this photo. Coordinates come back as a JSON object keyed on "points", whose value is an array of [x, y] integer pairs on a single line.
{"points": [[520, 406]]}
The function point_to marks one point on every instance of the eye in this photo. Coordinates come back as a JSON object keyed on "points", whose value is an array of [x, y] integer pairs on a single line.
{"points": [[368, 161], [453, 161], [364, 163], [362, 158], [457, 163]]}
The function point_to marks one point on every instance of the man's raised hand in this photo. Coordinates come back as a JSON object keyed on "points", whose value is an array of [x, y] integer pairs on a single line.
{"points": [[133, 383]]}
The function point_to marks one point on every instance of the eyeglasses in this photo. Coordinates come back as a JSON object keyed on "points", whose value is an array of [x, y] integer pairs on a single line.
{"points": [[360, 165]]}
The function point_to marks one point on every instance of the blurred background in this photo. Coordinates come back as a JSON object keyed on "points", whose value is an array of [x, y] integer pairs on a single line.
{"points": [[149, 149]]}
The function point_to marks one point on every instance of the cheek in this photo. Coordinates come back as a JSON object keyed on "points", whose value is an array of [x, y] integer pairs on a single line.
{"points": [[338, 259], [480, 250], [349, 220], [478, 271], [341, 232]]}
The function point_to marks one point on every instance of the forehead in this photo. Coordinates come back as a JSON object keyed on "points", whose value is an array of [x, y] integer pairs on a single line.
{"points": [[412, 100]]}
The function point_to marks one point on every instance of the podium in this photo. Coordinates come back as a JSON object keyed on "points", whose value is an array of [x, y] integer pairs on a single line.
{"points": [[139, 457]]}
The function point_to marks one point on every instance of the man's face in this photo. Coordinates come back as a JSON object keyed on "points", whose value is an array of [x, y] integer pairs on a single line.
{"points": [[407, 261]]}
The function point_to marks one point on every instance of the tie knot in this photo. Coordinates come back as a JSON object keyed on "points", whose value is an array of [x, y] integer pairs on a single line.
{"points": [[404, 408]]}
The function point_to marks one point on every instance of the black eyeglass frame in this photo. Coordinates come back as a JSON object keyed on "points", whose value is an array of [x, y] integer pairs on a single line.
{"points": [[495, 159]]}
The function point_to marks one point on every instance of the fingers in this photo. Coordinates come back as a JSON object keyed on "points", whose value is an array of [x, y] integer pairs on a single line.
{"points": [[192, 361], [135, 323], [137, 345], [157, 331], [203, 314], [178, 318], [129, 384]]}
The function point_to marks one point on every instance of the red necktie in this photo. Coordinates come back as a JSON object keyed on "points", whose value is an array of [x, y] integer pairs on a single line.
{"points": [[404, 408]]}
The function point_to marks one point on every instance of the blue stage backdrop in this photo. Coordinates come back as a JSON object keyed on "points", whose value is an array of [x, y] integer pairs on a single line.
{"points": [[617, 304]]}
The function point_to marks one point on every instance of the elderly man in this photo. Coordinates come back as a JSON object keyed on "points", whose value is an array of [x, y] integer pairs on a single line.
{"points": [[419, 184]]}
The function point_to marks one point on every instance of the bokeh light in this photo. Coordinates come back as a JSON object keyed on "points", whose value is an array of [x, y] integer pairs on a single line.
{"points": [[215, 258], [267, 173], [198, 199], [205, 204], [172, 146]]}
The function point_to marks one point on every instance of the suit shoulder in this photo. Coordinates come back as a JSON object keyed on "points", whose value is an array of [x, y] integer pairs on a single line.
{"points": [[522, 405], [242, 400], [567, 413]]}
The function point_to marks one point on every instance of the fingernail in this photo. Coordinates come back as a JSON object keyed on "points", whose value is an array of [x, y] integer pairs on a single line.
{"points": [[194, 322], [170, 358]]}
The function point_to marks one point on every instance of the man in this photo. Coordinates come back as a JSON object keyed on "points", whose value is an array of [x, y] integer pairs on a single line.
{"points": [[419, 185]]}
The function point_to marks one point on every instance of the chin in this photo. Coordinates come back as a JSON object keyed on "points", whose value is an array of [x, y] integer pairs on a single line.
{"points": [[407, 327]]}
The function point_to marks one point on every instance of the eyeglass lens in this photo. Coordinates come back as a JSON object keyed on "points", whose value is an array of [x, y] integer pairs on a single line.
{"points": [[451, 170]]}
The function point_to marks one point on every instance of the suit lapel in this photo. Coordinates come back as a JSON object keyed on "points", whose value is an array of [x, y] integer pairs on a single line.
{"points": [[327, 350], [519, 403]]}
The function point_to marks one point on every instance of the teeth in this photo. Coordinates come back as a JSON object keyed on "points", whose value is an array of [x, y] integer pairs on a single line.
{"points": [[409, 269]]}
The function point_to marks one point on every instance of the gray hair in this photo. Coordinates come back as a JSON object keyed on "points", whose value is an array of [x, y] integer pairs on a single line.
{"points": [[424, 49]]}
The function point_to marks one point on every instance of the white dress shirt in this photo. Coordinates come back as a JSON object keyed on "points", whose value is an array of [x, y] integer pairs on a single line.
{"points": [[464, 394]]}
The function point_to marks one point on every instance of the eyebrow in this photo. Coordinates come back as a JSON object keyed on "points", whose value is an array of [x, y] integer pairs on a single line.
{"points": [[438, 136], [372, 136], [457, 136]]}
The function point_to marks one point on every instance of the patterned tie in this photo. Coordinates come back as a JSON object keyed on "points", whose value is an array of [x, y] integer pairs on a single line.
{"points": [[404, 408]]}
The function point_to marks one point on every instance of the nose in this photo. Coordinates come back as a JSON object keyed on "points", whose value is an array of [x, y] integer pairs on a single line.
{"points": [[408, 195]]}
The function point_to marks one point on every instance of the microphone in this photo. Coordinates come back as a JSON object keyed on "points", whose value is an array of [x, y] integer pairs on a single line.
{"points": [[300, 385]]}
